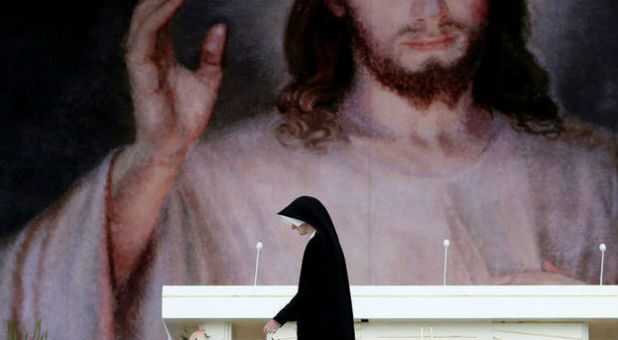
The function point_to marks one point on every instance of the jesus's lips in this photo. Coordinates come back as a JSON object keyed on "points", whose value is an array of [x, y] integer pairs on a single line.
{"points": [[433, 44]]}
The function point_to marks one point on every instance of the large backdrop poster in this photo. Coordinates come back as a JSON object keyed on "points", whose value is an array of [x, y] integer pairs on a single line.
{"points": [[126, 167]]}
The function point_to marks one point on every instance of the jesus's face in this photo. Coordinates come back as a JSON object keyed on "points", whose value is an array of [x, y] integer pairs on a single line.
{"points": [[424, 49], [417, 33]]}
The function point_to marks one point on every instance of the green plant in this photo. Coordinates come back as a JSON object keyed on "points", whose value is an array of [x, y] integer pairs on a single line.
{"points": [[14, 330]]}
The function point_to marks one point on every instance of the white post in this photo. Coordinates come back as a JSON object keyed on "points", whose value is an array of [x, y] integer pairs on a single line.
{"points": [[258, 246], [602, 249], [446, 243]]}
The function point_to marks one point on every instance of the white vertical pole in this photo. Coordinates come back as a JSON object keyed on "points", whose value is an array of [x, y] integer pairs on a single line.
{"points": [[602, 249], [258, 246], [446, 243]]}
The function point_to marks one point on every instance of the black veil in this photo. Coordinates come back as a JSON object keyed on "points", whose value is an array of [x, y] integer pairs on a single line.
{"points": [[311, 210]]}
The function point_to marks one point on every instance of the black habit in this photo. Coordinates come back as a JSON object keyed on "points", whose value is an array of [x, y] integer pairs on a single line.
{"points": [[322, 307]]}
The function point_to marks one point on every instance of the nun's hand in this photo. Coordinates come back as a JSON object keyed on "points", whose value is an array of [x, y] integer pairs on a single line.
{"points": [[271, 327]]}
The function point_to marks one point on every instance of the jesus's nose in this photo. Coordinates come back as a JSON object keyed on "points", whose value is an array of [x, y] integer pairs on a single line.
{"points": [[422, 9]]}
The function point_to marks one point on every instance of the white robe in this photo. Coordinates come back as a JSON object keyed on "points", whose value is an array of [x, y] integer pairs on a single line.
{"points": [[525, 200]]}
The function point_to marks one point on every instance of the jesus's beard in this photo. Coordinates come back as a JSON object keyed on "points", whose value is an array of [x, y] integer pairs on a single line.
{"points": [[434, 83]]}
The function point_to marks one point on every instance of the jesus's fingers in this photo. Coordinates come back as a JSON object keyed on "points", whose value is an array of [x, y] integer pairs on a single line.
{"points": [[141, 12], [209, 70], [144, 40]]}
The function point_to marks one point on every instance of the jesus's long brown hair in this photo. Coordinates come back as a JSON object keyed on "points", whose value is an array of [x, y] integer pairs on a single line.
{"points": [[319, 56]]}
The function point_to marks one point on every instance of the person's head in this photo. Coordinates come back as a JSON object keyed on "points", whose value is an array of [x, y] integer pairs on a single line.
{"points": [[303, 229], [425, 50], [307, 214]]}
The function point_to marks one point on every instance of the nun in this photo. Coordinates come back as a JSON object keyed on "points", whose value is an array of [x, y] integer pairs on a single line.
{"points": [[322, 307]]}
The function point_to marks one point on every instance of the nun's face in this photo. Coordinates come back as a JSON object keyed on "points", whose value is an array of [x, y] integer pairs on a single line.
{"points": [[303, 229]]}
